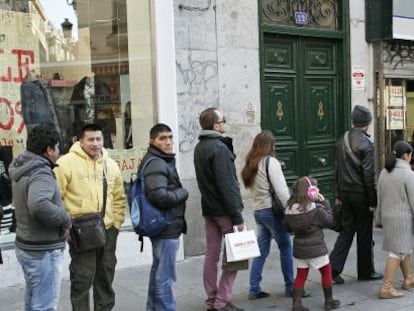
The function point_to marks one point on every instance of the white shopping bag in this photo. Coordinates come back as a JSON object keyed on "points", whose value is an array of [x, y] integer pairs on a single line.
{"points": [[241, 245]]}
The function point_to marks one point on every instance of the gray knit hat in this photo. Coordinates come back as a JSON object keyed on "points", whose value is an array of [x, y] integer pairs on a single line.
{"points": [[361, 116]]}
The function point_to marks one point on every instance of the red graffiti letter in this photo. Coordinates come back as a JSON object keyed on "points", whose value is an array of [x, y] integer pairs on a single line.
{"points": [[8, 125], [24, 58], [8, 77]]}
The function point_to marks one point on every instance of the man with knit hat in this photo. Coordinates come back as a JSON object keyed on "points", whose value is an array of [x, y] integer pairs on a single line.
{"points": [[356, 193]]}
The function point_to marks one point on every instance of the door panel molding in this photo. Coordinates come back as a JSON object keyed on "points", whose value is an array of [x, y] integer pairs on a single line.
{"points": [[280, 111]]}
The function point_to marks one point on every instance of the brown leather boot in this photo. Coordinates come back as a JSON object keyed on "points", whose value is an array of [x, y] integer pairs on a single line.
{"points": [[387, 290], [297, 300], [330, 302], [406, 270]]}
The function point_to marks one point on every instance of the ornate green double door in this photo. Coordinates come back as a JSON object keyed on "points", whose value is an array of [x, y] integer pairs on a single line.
{"points": [[303, 103]]}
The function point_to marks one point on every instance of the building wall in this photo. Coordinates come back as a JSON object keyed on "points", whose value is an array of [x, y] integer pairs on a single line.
{"points": [[217, 63], [361, 55]]}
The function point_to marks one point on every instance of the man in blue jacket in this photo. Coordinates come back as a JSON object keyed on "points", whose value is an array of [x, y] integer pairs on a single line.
{"points": [[221, 204], [165, 191]]}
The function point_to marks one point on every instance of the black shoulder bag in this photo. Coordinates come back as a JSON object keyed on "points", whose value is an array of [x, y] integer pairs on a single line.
{"points": [[277, 206], [88, 232]]}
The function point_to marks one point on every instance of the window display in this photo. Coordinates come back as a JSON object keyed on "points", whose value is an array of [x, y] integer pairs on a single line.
{"points": [[69, 63]]}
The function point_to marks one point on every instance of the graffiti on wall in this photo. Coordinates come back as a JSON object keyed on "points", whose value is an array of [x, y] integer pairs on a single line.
{"points": [[399, 53], [196, 75]]}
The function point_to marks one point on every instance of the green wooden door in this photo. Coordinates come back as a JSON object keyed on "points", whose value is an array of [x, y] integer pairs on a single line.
{"points": [[302, 93]]}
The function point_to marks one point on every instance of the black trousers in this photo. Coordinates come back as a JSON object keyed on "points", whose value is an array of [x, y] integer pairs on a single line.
{"points": [[94, 268], [356, 218]]}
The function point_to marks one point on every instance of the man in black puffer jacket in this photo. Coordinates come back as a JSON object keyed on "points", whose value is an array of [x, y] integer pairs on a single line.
{"points": [[356, 193], [164, 190], [221, 204]]}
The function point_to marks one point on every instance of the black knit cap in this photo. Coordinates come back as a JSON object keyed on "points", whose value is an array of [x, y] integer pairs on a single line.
{"points": [[361, 116]]}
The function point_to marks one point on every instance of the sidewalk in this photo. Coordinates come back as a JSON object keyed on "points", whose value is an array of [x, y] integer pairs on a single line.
{"points": [[131, 286]]}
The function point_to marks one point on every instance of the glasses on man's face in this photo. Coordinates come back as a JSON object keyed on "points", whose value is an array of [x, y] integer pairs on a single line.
{"points": [[222, 121]]}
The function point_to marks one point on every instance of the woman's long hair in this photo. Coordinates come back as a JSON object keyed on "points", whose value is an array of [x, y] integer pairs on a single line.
{"points": [[263, 145]]}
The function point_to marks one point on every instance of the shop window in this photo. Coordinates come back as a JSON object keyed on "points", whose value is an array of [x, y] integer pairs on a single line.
{"points": [[82, 61]]}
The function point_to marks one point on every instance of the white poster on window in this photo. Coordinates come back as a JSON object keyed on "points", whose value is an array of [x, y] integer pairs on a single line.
{"points": [[128, 160], [396, 96], [358, 78], [395, 119]]}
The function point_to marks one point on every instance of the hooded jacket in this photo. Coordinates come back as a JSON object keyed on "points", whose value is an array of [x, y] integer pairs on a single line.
{"points": [[165, 190], [307, 227], [40, 214], [216, 177], [81, 184]]}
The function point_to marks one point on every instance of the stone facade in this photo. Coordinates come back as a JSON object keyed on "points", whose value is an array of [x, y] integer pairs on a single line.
{"points": [[217, 63]]}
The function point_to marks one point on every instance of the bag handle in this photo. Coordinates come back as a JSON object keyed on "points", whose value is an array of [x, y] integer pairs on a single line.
{"points": [[141, 175], [235, 229], [271, 190], [105, 189], [349, 150]]}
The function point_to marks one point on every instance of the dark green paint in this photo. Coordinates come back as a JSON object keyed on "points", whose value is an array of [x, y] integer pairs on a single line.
{"points": [[307, 71]]}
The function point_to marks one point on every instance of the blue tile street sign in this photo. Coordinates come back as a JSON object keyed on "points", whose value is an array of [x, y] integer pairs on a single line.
{"points": [[301, 18]]}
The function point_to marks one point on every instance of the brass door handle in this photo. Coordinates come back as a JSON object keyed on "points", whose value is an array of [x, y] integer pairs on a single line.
{"points": [[322, 161]]}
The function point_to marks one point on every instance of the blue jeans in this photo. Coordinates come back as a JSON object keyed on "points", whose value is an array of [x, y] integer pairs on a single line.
{"points": [[43, 274], [162, 276], [270, 226]]}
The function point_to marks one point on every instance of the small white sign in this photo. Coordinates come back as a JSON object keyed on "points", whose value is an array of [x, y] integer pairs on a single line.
{"points": [[396, 96], [396, 119], [358, 78]]}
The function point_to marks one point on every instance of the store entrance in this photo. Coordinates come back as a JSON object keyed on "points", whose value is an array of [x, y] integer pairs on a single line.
{"points": [[398, 109]]}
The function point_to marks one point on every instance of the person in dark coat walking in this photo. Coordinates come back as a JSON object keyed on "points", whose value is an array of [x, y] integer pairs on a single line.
{"points": [[357, 196], [307, 214], [221, 204], [165, 191]]}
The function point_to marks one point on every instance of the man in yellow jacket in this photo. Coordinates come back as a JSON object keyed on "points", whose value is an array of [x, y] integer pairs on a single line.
{"points": [[80, 176]]}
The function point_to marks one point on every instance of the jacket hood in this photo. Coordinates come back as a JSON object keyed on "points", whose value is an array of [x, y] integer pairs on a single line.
{"points": [[300, 221], [209, 134], [157, 152], [26, 163], [228, 141], [77, 149]]}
